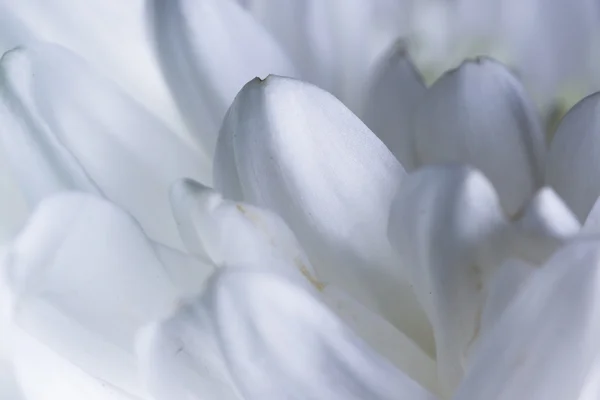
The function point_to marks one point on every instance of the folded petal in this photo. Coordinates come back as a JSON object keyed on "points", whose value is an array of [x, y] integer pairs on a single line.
{"points": [[208, 49], [449, 230], [392, 97], [110, 34], [83, 277], [66, 127], [292, 148], [545, 346], [572, 165], [479, 114], [258, 335]]}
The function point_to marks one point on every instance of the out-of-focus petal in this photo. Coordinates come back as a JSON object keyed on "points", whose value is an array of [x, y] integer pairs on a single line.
{"points": [[448, 228], [110, 34], [502, 288], [592, 222], [332, 49], [392, 98], [269, 338], [479, 114], [290, 147], [208, 49], [546, 224], [82, 278], [573, 160], [13, 207], [65, 127], [545, 346]]}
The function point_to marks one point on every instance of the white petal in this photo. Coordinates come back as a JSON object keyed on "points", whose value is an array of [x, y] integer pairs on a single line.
{"points": [[545, 346], [233, 233], [208, 50], [277, 341], [83, 278], [13, 207], [546, 224], [573, 164], [110, 34], [449, 230], [592, 222], [502, 288], [479, 114], [305, 31], [290, 147], [391, 100], [65, 127], [239, 234]]}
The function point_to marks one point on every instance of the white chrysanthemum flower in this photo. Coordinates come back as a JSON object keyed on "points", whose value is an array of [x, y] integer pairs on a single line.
{"points": [[335, 229]]}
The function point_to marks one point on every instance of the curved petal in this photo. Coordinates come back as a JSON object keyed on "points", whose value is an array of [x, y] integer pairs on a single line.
{"points": [[332, 49], [479, 114], [271, 339], [83, 278], [233, 233], [239, 234], [545, 346], [392, 97], [65, 127], [573, 165], [449, 230], [110, 34], [592, 222], [503, 287], [290, 147], [208, 49], [546, 224]]}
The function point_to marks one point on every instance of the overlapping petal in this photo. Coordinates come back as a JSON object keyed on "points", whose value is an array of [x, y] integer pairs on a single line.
{"points": [[208, 49], [64, 127], [573, 162], [392, 97], [545, 346], [269, 338], [82, 278], [234, 233], [109, 34], [449, 230], [292, 148], [479, 114]]}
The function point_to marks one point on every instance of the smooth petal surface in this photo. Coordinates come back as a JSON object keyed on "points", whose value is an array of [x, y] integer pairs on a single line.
{"points": [[479, 114], [290, 147], [83, 277], [305, 32], [504, 284], [67, 128], [573, 162], [13, 207], [393, 94], [276, 341], [545, 346], [546, 224], [233, 233], [110, 34], [592, 222], [208, 49], [449, 230]]}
